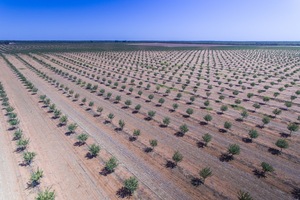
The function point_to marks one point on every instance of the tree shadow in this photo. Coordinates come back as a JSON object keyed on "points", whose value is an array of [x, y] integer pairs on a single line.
{"points": [[123, 193], [32, 184], [148, 150], [20, 149], [147, 118], [11, 128], [163, 126], [284, 135], [170, 164], [274, 151], [247, 140], [179, 134], [78, 144], [196, 181], [132, 138], [259, 173], [200, 144], [105, 171], [60, 125], [106, 122], [118, 129], [185, 116], [203, 123], [24, 164], [89, 155], [225, 157], [221, 130], [239, 120], [296, 193], [259, 126]]}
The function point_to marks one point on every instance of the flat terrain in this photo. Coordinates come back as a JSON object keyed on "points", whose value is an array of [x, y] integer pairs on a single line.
{"points": [[167, 95]]}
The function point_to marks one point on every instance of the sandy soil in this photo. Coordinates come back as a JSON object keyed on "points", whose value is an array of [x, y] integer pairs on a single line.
{"points": [[229, 177]]}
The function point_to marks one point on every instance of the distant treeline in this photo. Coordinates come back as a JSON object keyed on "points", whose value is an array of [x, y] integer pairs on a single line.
{"points": [[239, 43]]}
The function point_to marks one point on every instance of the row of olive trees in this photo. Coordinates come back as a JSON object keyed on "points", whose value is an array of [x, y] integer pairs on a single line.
{"points": [[21, 141]]}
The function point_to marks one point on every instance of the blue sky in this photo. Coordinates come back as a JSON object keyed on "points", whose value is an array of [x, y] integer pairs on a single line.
{"points": [[227, 20]]}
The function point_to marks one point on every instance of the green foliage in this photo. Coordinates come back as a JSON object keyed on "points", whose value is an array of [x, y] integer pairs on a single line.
{"points": [[282, 144], [36, 177], [153, 143], [175, 106], [136, 132], [46, 195], [207, 118], [205, 173], [189, 111], [151, 114], [183, 129], [131, 184], [18, 134], [121, 124], [276, 112], [265, 120], [166, 121], [111, 164], [177, 157], [206, 138], [94, 150], [110, 116], [253, 134], [137, 107], [244, 114], [82, 138], [266, 167], [244, 196], [227, 125], [28, 157], [22, 143], [128, 103], [224, 108], [63, 119], [57, 113], [256, 106], [234, 149], [72, 127], [293, 127], [161, 101]]}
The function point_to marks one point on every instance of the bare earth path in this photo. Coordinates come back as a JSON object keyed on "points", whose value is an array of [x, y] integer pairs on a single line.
{"points": [[61, 167], [10, 185]]}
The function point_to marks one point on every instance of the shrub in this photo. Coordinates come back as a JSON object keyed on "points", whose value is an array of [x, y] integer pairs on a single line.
{"points": [[111, 164], [46, 195], [82, 138], [282, 144], [206, 138], [94, 150], [131, 184], [205, 173], [177, 157], [234, 149]]}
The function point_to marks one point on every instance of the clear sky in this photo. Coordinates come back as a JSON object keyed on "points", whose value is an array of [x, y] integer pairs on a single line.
{"points": [[226, 20]]}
